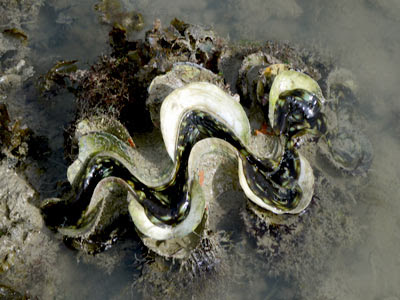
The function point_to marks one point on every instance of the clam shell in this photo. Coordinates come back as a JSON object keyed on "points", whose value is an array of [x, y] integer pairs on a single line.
{"points": [[221, 147], [286, 81], [180, 75], [88, 146], [305, 181], [108, 144], [166, 232], [204, 96], [102, 123], [181, 247], [107, 203]]}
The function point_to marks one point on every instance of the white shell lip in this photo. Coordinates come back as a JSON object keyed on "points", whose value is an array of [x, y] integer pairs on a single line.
{"points": [[207, 97], [306, 183], [167, 232]]}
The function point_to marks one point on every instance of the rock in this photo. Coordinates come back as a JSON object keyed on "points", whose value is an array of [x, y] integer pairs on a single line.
{"points": [[27, 255]]}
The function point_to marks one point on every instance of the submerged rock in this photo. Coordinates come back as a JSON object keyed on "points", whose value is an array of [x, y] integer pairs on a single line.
{"points": [[300, 246], [17, 141], [348, 148], [13, 137], [114, 14], [27, 254]]}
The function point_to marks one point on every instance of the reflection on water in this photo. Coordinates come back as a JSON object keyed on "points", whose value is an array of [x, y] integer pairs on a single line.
{"points": [[360, 35]]}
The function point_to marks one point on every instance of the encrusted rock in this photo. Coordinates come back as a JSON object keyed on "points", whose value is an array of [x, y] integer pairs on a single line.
{"points": [[27, 255]]}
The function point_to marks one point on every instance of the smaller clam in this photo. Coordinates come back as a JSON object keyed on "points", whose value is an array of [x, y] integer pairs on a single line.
{"points": [[287, 81]]}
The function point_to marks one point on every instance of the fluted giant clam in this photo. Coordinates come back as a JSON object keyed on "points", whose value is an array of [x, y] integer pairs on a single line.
{"points": [[171, 206]]}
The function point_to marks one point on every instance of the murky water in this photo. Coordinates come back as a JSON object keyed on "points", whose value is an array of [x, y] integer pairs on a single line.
{"points": [[361, 35]]}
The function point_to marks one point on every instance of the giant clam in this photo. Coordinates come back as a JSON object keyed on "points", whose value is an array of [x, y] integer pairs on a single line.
{"points": [[169, 209]]}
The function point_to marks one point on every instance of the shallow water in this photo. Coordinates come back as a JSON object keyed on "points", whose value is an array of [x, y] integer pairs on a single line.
{"points": [[361, 35]]}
